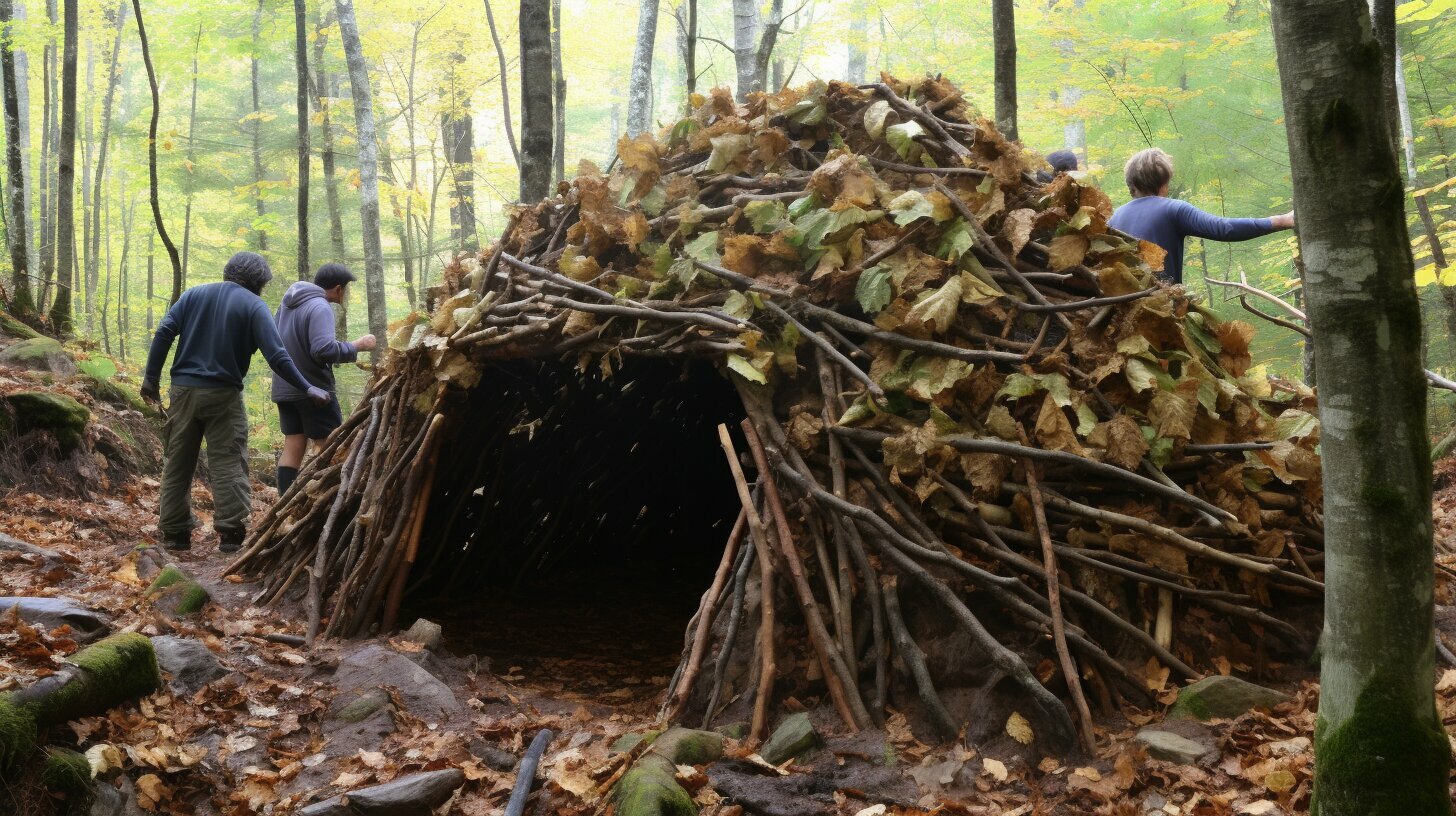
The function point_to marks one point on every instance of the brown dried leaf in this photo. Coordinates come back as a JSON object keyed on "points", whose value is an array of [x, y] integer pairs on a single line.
{"points": [[1017, 229], [1066, 251]]}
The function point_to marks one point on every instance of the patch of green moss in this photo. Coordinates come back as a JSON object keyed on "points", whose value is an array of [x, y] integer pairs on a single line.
{"points": [[187, 595], [109, 392], [61, 416], [13, 327], [651, 789], [628, 741], [684, 746], [1382, 761], [18, 731], [40, 353], [65, 771], [363, 707], [115, 669]]}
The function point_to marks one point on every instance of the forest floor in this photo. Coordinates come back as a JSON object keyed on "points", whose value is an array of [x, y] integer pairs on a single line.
{"points": [[272, 727]]}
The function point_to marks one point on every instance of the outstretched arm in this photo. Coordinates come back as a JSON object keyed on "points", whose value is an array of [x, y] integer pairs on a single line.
{"points": [[1199, 224], [162, 344]]}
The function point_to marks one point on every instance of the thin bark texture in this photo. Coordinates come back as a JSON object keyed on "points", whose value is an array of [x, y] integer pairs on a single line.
{"points": [[108, 102], [458, 133], [155, 193], [191, 158], [46, 238], [1379, 744], [368, 173], [1003, 27], [15, 233], [66, 175], [745, 44], [500, 55], [558, 146], [859, 25], [322, 94], [255, 132], [536, 118], [767, 41], [300, 56], [690, 47], [639, 86]]}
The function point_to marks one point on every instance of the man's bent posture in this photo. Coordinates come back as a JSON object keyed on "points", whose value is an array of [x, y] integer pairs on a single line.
{"points": [[307, 326], [217, 327], [1152, 216]]}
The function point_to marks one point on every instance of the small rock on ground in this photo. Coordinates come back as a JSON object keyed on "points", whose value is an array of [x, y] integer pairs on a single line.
{"points": [[1170, 747], [375, 666], [191, 664], [794, 736], [51, 613], [1220, 697]]}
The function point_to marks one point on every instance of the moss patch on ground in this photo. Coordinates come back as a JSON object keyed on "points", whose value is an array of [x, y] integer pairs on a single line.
{"points": [[186, 595], [59, 415], [13, 327]]}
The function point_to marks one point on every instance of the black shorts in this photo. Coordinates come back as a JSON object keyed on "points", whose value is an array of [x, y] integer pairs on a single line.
{"points": [[314, 421]]}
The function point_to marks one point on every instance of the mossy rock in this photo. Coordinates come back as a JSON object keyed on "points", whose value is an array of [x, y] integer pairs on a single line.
{"points": [[39, 354], [109, 392], [176, 588], [794, 737], [363, 707], [650, 788], [66, 772], [59, 415], [1220, 697], [631, 740], [10, 325]]}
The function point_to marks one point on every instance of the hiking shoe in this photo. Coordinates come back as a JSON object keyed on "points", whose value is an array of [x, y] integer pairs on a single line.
{"points": [[232, 540], [177, 542]]}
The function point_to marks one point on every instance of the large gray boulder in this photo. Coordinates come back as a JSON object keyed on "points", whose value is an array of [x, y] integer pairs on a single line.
{"points": [[1220, 698], [374, 667], [39, 354], [191, 664], [50, 613]]}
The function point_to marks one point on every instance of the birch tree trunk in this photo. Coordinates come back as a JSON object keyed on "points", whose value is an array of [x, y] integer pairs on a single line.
{"points": [[66, 175], [558, 147], [859, 26], [368, 174], [154, 185], [639, 86], [23, 303], [767, 41], [323, 101], [191, 158], [536, 118], [300, 56], [86, 269], [745, 44], [1380, 747], [49, 103], [1003, 26], [27, 190], [108, 102]]}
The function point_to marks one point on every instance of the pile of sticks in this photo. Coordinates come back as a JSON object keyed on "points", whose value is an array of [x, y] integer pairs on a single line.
{"points": [[963, 396]]}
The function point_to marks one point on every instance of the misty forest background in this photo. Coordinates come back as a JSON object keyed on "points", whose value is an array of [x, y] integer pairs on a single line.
{"points": [[1103, 77]]}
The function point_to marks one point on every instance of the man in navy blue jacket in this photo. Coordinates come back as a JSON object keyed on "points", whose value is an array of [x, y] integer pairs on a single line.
{"points": [[217, 327], [1152, 216], [306, 324]]}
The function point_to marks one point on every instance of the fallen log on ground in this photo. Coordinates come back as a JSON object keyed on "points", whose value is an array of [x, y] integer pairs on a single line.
{"points": [[95, 679], [650, 788], [915, 332]]}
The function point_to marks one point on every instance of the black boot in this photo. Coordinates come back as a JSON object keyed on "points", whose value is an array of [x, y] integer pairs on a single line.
{"points": [[177, 542], [232, 540], [286, 475]]}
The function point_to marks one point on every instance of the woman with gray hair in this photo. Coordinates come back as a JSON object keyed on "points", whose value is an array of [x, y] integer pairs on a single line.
{"points": [[218, 327], [1152, 216]]}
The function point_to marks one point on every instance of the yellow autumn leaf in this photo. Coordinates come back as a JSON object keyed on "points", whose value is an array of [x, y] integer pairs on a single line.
{"points": [[1019, 729]]}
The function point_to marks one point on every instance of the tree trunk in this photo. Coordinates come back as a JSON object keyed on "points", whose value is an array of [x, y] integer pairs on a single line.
{"points": [[690, 51], [368, 174], [536, 118], [639, 86], [260, 230], [108, 101], [151, 276], [859, 25], [1379, 743], [322, 87], [22, 302], [745, 44], [153, 186], [505, 82], [46, 237], [300, 56], [457, 132], [66, 175], [558, 146], [123, 310], [86, 269], [191, 170], [1003, 25], [766, 44], [27, 190]]}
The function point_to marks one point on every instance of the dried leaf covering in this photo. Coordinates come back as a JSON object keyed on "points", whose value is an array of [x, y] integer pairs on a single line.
{"points": [[958, 380]]}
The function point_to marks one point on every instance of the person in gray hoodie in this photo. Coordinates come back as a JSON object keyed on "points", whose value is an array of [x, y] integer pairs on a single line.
{"points": [[306, 324]]}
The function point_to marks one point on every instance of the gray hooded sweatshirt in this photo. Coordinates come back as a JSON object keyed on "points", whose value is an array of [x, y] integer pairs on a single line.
{"points": [[306, 324]]}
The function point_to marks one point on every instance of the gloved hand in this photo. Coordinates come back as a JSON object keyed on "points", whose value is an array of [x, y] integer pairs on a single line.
{"points": [[151, 393], [319, 396]]}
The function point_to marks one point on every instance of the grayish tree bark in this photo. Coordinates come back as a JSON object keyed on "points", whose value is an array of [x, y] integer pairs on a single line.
{"points": [[859, 26], [368, 175], [767, 41], [66, 174], [108, 102], [1003, 26], [639, 86], [1380, 747], [191, 158], [500, 55], [15, 233], [300, 57], [323, 100], [255, 132], [22, 89], [745, 44], [558, 146], [536, 118], [48, 137]]}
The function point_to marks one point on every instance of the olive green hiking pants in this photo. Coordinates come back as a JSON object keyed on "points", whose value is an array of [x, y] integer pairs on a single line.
{"points": [[216, 416]]}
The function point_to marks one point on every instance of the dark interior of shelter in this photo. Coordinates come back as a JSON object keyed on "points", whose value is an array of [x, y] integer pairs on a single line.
{"points": [[577, 518]]}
